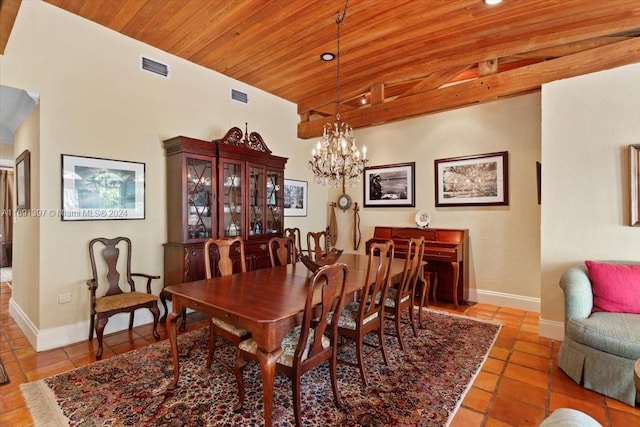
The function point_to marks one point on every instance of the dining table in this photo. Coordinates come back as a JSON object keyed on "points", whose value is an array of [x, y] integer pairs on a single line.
{"points": [[267, 302]]}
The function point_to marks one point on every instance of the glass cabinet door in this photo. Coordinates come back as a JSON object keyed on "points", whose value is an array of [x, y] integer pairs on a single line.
{"points": [[274, 212], [199, 200], [256, 200], [231, 179]]}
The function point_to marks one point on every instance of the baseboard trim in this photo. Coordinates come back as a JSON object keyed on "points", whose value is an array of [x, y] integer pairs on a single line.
{"points": [[505, 300], [47, 339], [546, 328]]}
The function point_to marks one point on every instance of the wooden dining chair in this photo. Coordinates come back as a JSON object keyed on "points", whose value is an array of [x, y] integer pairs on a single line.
{"points": [[114, 299], [219, 327], [309, 344], [317, 244], [282, 251], [400, 298], [366, 314], [294, 233]]}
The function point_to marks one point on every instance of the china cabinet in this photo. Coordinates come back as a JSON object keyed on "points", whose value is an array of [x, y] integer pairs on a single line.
{"points": [[228, 187]]}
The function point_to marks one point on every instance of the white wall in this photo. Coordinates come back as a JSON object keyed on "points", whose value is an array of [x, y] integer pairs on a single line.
{"points": [[96, 102], [588, 122], [504, 240]]}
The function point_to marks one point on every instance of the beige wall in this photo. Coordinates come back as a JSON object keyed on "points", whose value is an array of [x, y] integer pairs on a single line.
{"points": [[504, 240], [588, 122]]}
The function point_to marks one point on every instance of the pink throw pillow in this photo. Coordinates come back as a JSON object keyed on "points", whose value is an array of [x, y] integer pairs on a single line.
{"points": [[616, 287]]}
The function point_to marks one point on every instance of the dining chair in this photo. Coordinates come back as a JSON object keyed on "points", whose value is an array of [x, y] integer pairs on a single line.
{"points": [[366, 314], [309, 344], [115, 299], [400, 298], [282, 251], [219, 327], [317, 244], [294, 233]]}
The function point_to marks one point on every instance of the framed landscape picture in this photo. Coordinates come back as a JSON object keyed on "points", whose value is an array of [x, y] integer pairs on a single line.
{"points": [[476, 180], [99, 189], [295, 197], [390, 185]]}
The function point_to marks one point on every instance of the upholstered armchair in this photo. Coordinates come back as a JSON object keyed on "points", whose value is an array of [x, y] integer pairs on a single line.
{"points": [[599, 347]]}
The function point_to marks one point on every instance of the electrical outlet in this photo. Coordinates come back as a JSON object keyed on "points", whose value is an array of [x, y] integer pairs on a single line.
{"points": [[64, 298]]}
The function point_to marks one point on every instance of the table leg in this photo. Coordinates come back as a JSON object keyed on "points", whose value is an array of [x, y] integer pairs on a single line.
{"points": [[173, 339], [268, 368]]}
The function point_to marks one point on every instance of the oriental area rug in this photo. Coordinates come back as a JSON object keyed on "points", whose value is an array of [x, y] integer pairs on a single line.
{"points": [[423, 386]]}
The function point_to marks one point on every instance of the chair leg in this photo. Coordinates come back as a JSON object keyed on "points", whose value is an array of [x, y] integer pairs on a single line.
{"points": [[295, 388], [412, 319], [212, 344], [102, 322], [334, 381], [360, 356], [156, 316], [131, 320], [91, 325], [396, 317], [239, 368], [381, 338]]}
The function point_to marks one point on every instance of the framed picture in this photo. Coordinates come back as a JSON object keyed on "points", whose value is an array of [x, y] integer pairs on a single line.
{"points": [[99, 189], [477, 180], [390, 185], [23, 180], [634, 169], [295, 197]]}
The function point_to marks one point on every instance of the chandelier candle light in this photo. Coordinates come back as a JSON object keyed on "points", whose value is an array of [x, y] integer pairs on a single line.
{"points": [[337, 159]]}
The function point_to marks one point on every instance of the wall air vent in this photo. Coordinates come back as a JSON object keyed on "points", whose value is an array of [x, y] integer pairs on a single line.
{"points": [[236, 95], [154, 66]]}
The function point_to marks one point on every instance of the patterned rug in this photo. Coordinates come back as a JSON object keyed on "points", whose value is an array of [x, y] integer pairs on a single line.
{"points": [[422, 387], [4, 378]]}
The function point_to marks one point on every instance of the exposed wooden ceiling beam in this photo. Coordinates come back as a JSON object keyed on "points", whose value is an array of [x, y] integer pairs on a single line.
{"points": [[486, 88]]}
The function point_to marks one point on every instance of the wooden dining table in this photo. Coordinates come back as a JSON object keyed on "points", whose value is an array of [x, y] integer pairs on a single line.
{"points": [[265, 302]]}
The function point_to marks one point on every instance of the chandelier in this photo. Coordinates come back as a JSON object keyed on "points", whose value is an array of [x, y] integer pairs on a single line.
{"points": [[337, 159]]}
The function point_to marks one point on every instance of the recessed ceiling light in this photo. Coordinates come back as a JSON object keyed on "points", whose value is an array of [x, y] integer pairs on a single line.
{"points": [[492, 1], [327, 56]]}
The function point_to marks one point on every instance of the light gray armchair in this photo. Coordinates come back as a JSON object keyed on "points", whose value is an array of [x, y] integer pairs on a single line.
{"points": [[599, 349]]}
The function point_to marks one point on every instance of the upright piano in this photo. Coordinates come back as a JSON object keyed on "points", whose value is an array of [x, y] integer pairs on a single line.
{"points": [[446, 252]]}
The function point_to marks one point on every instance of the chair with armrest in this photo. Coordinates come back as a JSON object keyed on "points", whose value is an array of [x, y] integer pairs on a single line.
{"points": [[600, 347], [115, 299], [311, 343], [219, 327], [282, 251], [294, 233], [366, 314], [400, 298], [317, 244]]}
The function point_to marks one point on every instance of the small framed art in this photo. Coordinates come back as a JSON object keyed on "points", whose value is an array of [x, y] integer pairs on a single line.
{"points": [[99, 189], [295, 197], [390, 185], [476, 180]]}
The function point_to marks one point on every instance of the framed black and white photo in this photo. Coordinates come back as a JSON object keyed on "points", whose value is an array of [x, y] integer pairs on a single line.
{"points": [[476, 180], [390, 185], [295, 197], [23, 180], [100, 189]]}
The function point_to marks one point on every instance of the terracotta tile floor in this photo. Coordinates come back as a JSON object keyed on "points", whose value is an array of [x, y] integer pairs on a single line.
{"points": [[519, 384]]}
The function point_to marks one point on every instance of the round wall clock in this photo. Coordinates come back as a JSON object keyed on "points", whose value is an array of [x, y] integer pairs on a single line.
{"points": [[344, 201], [423, 218]]}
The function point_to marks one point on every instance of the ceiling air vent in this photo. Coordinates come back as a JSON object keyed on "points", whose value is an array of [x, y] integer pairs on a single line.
{"points": [[153, 66], [236, 95]]}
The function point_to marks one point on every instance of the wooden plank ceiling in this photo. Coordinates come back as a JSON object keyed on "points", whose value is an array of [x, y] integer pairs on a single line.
{"points": [[399, 58]]}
